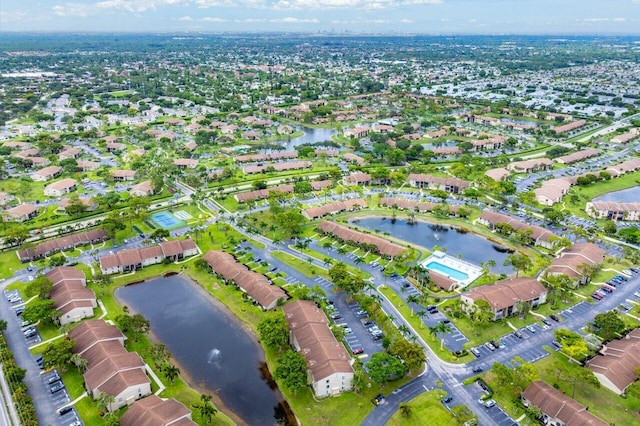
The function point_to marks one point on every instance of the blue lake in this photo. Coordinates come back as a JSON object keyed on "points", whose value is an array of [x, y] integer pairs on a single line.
{"points": [[468, 246], [215, 351], [629, 195]]}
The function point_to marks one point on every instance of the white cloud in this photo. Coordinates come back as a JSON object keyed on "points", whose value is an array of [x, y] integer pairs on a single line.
{"points": [[185, 18], [292, 20], [349, 4], [407, 21], [601, 20], [83, 10], [250, 20], [212, 19]]}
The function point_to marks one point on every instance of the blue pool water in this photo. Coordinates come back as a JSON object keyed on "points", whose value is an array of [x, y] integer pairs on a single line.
{"points": [[166, 220], [446, 270]]}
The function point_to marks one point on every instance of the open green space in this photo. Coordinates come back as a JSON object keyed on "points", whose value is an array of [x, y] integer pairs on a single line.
{"points": [[425, 409]]}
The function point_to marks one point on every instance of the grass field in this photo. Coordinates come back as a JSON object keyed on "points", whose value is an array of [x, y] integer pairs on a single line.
{"points": [[425, 409]]}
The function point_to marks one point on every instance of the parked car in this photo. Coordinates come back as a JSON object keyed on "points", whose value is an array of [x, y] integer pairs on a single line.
{"points": [[65, 410], [475, 351], [19, 310], [531, 328], [557, 344], [476, 369], [54, 378], [489, 403], [554, 317], [546, 321], [358, 351], [490, 346], [447, 399], [57, 387], [379, 399], [517, 334]]}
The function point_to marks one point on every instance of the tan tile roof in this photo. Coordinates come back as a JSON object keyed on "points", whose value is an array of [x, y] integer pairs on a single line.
{"points": [[555, 404], [322, 351], [339, 206], [618, 360], [90, 332], [124, 379], [153, 411], [384, 247], [99, 373], [506, 293], [255, 285]]}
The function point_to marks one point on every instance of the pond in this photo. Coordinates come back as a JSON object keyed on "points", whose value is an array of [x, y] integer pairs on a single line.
{"points": [[519, 121], [468, 246], [212, 348], [449, 143], [629, 195], [311, 135]]}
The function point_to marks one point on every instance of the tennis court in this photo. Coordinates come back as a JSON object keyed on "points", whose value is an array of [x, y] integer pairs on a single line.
{"points": [[166, 220]]}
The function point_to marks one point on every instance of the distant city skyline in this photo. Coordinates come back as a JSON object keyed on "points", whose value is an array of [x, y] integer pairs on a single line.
{"points": [[360, 16]]}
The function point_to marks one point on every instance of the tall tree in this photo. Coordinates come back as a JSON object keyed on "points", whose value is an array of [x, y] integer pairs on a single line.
{"points": [[273, 331], [519, 262], [291, 371]]}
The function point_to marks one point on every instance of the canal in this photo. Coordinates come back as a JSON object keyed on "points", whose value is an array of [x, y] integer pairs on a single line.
{"points": [[216, 353], [466, 245]]}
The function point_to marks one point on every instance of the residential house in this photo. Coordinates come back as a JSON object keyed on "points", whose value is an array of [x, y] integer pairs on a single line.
{"points": [[257, 286], [578, 156], [569, 127], [557, 408], [576, 260], [552, 191], [538, 235], [452, 185], [123, 175], [63, 243], [185, 163], [137, 258], [498, 174], [21, 213], [353, 158], [507, 297], [70, 296], [358, 179], [530, 166], [89, 203], [328, 363], [262, 193], [88, 166], [142, 189], [61, 187], [153, 411], [611, 210], [615, 366], [380, 245], [46, 174], [333, 208]]}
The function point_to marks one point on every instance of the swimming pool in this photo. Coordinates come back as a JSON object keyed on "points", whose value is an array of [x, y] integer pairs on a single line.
{"points": [[448, 271], [166, 220]]}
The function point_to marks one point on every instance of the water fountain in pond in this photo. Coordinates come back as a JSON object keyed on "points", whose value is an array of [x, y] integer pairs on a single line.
{"points": [[214, 357]]}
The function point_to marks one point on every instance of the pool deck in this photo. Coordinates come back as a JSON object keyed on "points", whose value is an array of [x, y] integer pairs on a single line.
{"points": [[473, 272]]}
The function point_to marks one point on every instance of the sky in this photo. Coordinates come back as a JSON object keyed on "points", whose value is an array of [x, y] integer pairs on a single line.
{"points": [[336, 16]]}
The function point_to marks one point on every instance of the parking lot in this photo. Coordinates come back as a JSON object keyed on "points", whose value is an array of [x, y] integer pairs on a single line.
{"points": [[496, 413], [511, 339], [454, 340], [354, 318], [58, 395]]}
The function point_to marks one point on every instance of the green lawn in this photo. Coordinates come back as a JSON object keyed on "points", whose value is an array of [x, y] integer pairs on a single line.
{"points": [[301, 266], [425, 409]]}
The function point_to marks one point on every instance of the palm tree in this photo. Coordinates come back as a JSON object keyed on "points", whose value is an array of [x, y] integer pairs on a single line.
{"points": [[171, 372], [104, 402], [358, 260], [404, 330], [441, 328], [421, 314], [206, 409]]}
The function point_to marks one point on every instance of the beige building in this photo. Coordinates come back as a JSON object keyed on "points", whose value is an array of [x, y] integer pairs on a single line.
{"points": [[328, 363], [61, 187], [615, 366], [506, 297], [557, 408], [611, 210]]}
